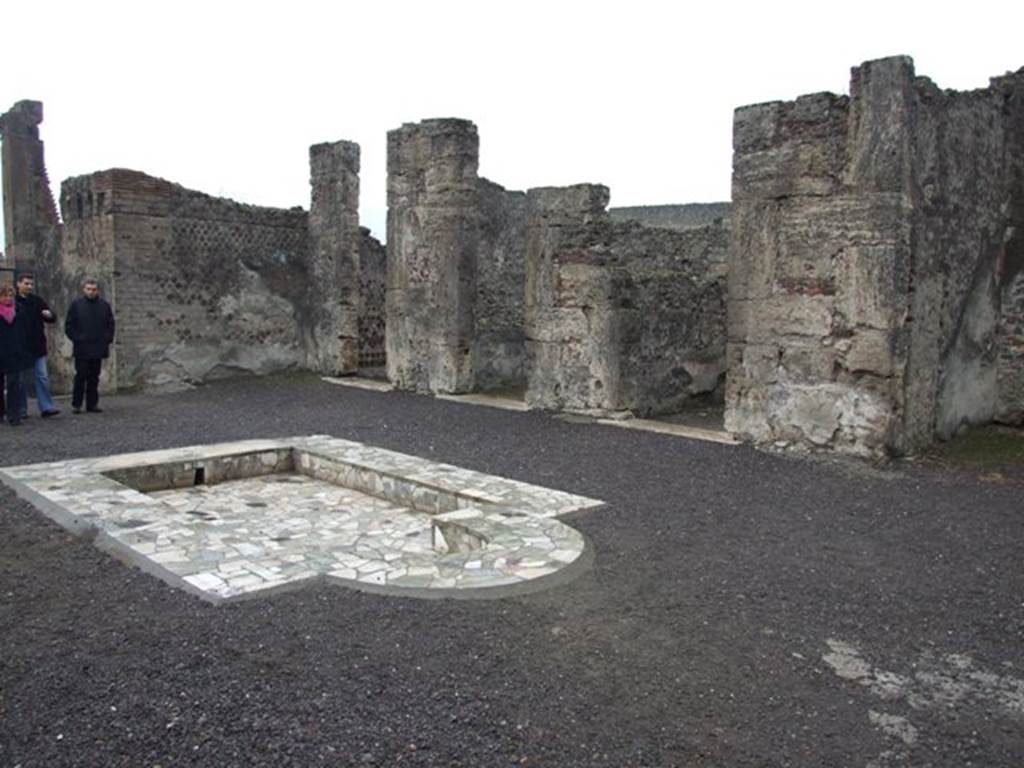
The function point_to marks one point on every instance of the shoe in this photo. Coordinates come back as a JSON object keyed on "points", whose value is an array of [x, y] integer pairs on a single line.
{"points": [[97, 409], [76, 409], [15, 422], [48, 414]]}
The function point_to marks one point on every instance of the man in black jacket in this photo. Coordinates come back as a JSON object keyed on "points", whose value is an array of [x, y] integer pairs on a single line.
{"points": [[35, 313], [90, 326]]}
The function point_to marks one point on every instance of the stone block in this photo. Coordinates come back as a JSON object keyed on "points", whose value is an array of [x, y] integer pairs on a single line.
{"points": [[882, 107], [807, 362], [756, 127], [868, 351]]}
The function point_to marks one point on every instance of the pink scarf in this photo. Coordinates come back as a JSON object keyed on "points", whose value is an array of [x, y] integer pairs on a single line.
{"points": [[7, 312]]}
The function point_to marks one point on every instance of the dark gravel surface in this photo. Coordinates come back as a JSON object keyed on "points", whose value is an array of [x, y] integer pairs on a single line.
{"points": [[696, 639]]}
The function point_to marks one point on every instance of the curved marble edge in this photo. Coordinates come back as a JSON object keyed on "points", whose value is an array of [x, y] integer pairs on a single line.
{"points": [[523, 543]]}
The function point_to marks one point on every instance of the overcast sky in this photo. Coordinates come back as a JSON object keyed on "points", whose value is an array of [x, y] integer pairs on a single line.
{"points": [[226, 97]]}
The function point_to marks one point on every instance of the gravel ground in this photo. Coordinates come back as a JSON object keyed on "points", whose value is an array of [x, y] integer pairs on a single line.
{"points": [[699, 637]]}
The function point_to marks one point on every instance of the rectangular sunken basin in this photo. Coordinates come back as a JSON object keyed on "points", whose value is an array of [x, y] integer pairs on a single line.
{"points": [[237, 519]]}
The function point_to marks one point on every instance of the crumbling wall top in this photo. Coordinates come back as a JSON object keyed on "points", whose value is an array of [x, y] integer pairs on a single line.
{"points": [[578, 199], [25, 115]]}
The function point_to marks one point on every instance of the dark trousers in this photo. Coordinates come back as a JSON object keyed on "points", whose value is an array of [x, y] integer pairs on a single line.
{"points": [[87, 381], [13, 394]]}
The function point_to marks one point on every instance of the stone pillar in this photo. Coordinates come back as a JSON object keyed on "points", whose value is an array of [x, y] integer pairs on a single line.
{"points": [[818, 260], [555, 327], [433, 240], [333, 341], [30, 213]]}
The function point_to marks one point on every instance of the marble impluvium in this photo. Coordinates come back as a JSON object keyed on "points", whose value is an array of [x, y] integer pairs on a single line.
{"points": [[236, 519]]}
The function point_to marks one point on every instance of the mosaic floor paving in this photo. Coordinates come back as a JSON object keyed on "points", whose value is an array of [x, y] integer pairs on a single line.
{"points": [[237, 519]]}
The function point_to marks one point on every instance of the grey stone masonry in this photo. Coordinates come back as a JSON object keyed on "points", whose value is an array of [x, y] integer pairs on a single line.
{"points": [[555, 214], [335, 242], [863, 266], [1010, 406], [30, 213], [372, 285], [621, 316], [499, 348], [433, 241], [202, 287], [686, 216]]}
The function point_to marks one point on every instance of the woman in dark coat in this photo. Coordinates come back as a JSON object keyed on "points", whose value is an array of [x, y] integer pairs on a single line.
{"points": [[15, 355]]}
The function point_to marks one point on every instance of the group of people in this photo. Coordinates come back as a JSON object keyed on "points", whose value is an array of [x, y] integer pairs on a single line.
{"points": [[23, 318]]}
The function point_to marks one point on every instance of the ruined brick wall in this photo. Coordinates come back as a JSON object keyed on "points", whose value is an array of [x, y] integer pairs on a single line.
{"points": [[861, 279], [202, 287], [499, 344], [335, 241], [622, 317], [372, 285], [433, 246], [684, 216]]}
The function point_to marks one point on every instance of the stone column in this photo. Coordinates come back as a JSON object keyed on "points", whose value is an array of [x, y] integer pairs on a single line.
{"points": [[30, 213], [818, 254], [557, 323], [433, 239], [333, 333]]}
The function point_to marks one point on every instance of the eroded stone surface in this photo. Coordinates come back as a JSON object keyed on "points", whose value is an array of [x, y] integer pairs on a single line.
{"points": [[620, 316], [868, 236]]}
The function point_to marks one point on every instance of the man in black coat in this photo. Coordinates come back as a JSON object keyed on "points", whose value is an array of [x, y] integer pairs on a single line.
{"points": [[35, 313], [90, 326]]}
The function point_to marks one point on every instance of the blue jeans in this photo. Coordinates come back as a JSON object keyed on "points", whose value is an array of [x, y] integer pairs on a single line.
{"points": [[43, 396]]}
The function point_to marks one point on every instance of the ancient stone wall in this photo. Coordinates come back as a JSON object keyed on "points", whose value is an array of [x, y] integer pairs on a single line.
{"points": [[372, 285], [433, 245], [865, 237], [335, 241], [962, 219], [1010, 336], [202, 287], [621, 316], [499, 344], [684, 216]]}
